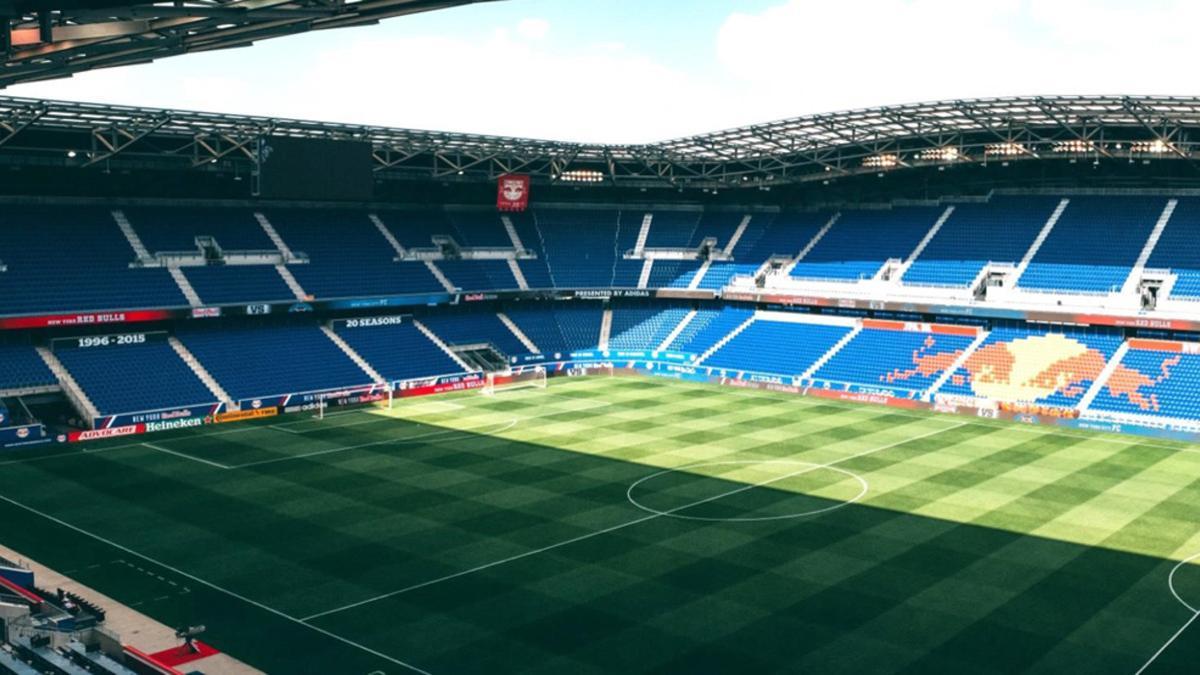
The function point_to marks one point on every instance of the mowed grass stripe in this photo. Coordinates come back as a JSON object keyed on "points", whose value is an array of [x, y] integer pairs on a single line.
{"points": [[860, 589]]}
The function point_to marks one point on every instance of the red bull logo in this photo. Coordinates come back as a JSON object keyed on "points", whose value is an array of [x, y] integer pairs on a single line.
{"points": [[926, 363], [1129, 383], [1033, 368]]}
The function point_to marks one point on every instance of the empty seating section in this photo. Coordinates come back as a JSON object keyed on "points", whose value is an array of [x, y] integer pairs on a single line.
{"points": [[1094, 244], [1000, 231], [535, 270], [673, 273], [134, 378], [673, 229], [580, 246], [399, 351], [766, 235], [559, 330], [479, 275], [1156, 382], [626, 273], [261, 362], [1026, 365], [349, 257], [860, 242], [164, 229], [707, 328], [74, 258], [481, 229], [415, 229], [643, 328], [1178, 249], [222, 284], [777, 347], [474, 328], [22, 367], [894, 359]]}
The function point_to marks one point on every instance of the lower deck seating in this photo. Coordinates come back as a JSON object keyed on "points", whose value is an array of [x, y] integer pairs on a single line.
{"points": [[134, 378], [1031, 366], [895, 359], [707, 328], [22, 367], [777, 347], [399, 351], [1162, 382], [560, 330], [643, 328], [474, 328], [261, 362]]}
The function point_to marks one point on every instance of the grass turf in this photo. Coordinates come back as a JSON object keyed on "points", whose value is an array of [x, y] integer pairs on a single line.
{"points": [[636, 525]]}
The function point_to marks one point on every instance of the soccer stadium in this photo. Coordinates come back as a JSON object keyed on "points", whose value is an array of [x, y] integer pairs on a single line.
{"points": [[907, 388]]}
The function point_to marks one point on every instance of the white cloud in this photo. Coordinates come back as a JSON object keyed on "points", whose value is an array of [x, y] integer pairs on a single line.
{"points": [[799, 56], [812, 55], [533, 29]]}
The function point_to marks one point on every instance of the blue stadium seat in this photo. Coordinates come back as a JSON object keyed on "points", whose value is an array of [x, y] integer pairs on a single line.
{"points": [[399, 351], [62, 258], [472, 328], [348, 255], [22, 367], [1000, 231], [1177, 249], [1153, 382], [560, 330], [250, 362], [643, 328], [777, 347], [860, 242], [135, 378], [1075, 259], [707, 328], [767, 235], [894, 359]]}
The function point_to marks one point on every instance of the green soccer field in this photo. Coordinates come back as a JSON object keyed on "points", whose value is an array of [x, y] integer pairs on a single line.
{"points": [[636, 525]]}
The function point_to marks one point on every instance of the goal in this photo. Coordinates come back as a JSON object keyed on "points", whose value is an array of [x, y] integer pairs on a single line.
{"points": [[534, 378]]}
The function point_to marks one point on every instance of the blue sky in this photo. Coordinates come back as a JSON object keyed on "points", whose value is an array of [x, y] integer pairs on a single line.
{"points": [[625, 71]]}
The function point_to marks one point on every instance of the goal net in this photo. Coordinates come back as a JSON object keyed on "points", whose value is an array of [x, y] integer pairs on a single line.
{"points": [[534, 378]]}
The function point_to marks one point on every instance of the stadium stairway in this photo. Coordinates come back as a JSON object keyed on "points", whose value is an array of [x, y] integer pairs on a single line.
{"points": [[833, 351], [201, 372], [1041, 239], [387, 234], [442, 346], [70, 387], [1102, 381], [185, 287], [516, 330], [354, 356], [958, 363], [437, 274], [292, 283], [679, 328], [937, 227], [727, 339], [812, 243], [1139, 267], [605, 328]]}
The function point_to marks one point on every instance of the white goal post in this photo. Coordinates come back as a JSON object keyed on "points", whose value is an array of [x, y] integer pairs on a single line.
{"points": [[507, 380]]}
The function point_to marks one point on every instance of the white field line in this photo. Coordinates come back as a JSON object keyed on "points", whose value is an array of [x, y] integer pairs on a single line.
{"points": [[621, 526], [186, 456], [214, 587], [1187, 624]]}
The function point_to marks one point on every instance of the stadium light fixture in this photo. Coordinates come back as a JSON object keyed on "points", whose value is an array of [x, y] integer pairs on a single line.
{"points": [[1156, 147], [1077, 146], [71, 154], [881, 161], [946, 154], [581, 176], [1004, 149]]}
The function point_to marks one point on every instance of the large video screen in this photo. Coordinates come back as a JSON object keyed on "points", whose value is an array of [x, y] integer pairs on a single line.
{"points": [[319, 169]]}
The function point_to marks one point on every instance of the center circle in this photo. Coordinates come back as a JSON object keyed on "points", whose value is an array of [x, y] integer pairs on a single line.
{"points": [[800, 469]]}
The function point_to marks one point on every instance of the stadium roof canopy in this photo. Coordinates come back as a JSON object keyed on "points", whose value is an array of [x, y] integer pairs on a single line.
{"points": [[45, 39], [803, 149]]}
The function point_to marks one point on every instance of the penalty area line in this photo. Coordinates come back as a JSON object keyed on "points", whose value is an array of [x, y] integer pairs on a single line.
{"points": [[215, 587]]}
